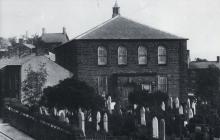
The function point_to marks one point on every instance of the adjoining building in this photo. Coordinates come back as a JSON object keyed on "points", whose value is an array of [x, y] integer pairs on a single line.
{"points": [[13, 72], [120, 52]]}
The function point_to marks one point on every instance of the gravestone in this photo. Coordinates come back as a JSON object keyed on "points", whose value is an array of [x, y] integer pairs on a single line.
{"points": [[81, 118], [62, 115], [142, 113], [162, 133], [170, 102], [181, 110], [177, 102], [98, 120], [188, 103], [109, 102], [163, 107], [155, 128], [194, 108], [190, 113], [105, 122], [55, 111]]}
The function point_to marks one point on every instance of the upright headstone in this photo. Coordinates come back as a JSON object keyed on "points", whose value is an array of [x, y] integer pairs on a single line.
{"points": [[55, 111], [181, 110], [170, 102], [109, 103], [194, 107], [62, 115], [105, 122], [162, 133], [41, 111], [163, 107], [142, 113], [155, 128], [135, 106], [190, 113], [98, 120], [177, 102], [188, 103], [81, 121]]}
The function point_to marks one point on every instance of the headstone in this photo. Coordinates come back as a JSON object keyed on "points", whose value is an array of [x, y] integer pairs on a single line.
{"points": [[135, 106], [170, 102], [162, 133], [163, 107], [147, 109], [109, 102], [155, 128], [142, 113], [46, 111], [194, 108], [55, 111], [177, 102], [105, 122], [190, 113], [181, 110], [62, 115], [98, 120], [41, 111], [81, 121], [188, 103]]}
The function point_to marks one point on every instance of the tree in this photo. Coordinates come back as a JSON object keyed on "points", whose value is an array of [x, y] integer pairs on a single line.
{"points": [[72, 94], [207, 83], [32, 86]]}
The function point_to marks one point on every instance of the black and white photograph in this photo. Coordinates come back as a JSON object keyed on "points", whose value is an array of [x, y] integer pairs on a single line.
{"points": [[109, 69]]}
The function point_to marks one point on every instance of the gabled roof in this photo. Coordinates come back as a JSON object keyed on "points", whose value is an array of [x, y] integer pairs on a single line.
{"points": [[54, 38], [203, 65], [123, 28]]}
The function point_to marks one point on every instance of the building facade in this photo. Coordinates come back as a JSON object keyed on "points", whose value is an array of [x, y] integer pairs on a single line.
{"points": [[120, 53]]}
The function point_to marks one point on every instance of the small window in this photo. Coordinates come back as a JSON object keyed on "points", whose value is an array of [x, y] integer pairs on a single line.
{"points": [[162, 83], [162, 55], [122, 55], [102, 56], [103, 85], [142, 55]]}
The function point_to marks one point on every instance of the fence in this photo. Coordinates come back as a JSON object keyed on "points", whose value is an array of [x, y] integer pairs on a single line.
{"points": [[39, 127]]}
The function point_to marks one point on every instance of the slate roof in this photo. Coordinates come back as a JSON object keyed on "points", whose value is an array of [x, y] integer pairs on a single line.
{"points": [[54, 38], [203, 65], [122, 28]]}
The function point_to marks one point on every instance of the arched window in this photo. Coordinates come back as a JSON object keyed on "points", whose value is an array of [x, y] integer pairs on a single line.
{"points": [[162, 55], [122, 55], [142, 55], [102, 56]]}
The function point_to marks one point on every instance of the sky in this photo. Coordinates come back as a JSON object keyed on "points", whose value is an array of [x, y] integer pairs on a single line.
{"points": [[197, 20]]}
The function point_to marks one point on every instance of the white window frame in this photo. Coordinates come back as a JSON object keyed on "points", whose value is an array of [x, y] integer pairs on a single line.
{"points": [[162, 55], [102, 85], [102, 55], [142, 55], [122, 55], [162, 83]]}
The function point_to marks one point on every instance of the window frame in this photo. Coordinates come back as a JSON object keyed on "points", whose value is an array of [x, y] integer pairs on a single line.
{"points": [[145, 55], [103, 56], [161, 55], [122, 55], [163, 86]]}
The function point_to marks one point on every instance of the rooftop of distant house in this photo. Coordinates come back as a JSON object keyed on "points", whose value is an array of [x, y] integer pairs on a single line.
{"points": [[54, 37], [204, 64]]}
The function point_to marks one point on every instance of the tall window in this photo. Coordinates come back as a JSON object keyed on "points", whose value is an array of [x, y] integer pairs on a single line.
{"points": [[103, 85], [162, 83], [142, 55], [102, 56], [122, 55], [162, 55]]}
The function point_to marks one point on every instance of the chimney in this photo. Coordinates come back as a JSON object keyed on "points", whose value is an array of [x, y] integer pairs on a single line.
{"points": [[64, 30], [116, 9], [21, 40], [218, 59], [43, 31]]}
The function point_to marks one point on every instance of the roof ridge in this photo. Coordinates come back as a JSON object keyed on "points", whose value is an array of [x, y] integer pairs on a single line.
{"points": [[96, 27]]}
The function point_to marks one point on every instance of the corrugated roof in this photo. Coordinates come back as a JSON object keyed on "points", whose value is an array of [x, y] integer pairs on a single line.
{"points": [[122, 28], [54, 38], [203, 65]]}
